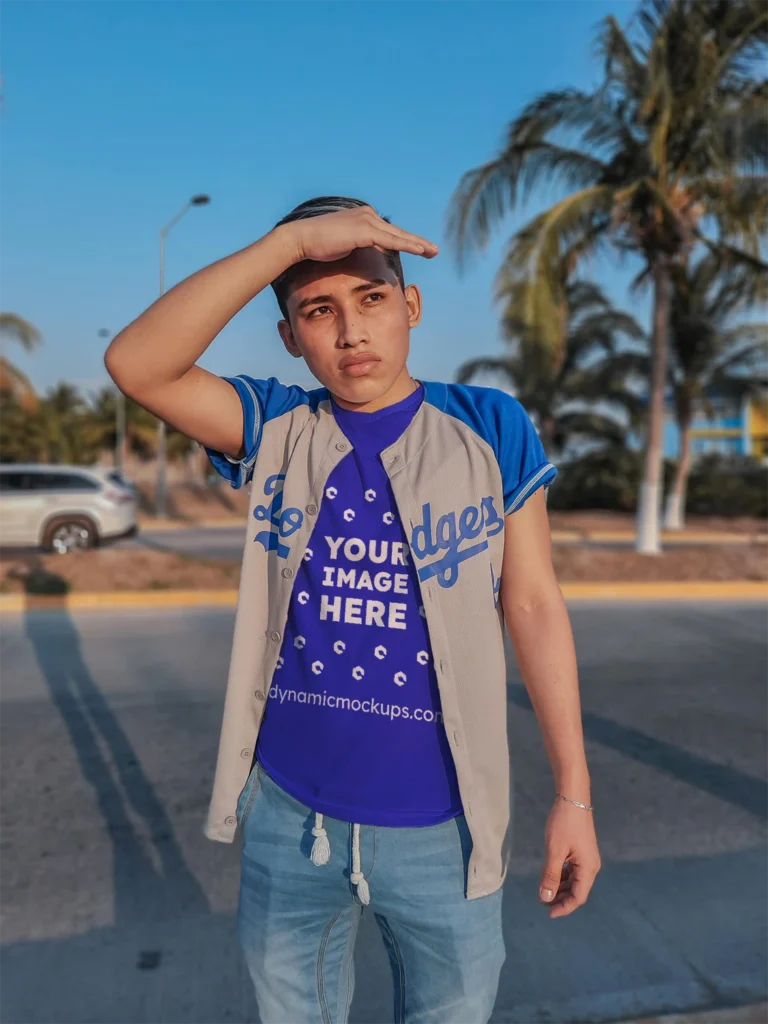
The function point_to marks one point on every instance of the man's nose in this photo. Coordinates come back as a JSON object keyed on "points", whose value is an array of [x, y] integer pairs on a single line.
{"points": [[353, 331]]}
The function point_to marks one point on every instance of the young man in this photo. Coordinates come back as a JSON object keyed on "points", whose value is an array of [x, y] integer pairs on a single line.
{"points": [[394, 525]]}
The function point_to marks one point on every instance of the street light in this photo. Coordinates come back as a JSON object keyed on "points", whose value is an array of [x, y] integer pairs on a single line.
{"points": [[161, 487], [119, 418]]}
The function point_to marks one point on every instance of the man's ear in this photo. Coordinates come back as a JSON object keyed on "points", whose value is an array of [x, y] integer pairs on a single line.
{"points": [[413, 302], [285, 332]]}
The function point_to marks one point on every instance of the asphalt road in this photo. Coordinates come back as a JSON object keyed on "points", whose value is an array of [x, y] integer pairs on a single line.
{"points": [[206, 542], [117, 909]]}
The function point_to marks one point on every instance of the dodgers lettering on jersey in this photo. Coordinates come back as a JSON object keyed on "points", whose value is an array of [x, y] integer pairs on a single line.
{"points": [[282, 522], [451, 531]]}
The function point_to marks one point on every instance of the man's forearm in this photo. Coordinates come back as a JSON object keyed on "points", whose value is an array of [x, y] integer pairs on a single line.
{"points": [[161, 345], [543, 641]]}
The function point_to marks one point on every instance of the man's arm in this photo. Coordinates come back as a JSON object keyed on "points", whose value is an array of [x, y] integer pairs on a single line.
{"points": [[153, 360], [538, 623]]}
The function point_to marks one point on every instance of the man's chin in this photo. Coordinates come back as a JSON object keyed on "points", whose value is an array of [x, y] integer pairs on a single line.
{"points": [[360, 390]]}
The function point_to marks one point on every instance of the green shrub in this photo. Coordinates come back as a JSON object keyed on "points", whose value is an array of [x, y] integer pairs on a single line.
{"points": [[609, 478], [728, 486]]}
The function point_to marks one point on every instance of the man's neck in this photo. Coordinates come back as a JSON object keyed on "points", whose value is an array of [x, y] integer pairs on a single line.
{"points": [[404, 385]]}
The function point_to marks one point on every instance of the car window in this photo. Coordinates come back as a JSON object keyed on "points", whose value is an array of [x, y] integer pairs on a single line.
{"points": [[64, 482], [116, 477], [12, 482]]}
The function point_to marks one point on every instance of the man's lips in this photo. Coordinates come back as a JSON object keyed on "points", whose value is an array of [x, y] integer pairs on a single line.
{"points": [[357, 366]]}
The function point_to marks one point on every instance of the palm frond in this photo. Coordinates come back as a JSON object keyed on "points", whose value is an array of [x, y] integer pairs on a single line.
{"points": [[502, 367], [20, 330]]}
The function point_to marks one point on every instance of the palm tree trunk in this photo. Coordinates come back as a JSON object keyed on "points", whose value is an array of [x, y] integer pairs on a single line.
{"points": [[649, 503], [674, 517]]}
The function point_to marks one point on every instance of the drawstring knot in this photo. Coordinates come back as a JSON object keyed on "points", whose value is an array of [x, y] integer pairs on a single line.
{"points": [[321, 848], [357, 877], [321, 854]]}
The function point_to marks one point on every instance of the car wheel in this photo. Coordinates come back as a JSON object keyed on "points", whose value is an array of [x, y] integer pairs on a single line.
{"points": [[70, 533]]}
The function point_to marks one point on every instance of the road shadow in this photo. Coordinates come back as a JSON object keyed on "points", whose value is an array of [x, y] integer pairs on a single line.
{"points": [[112, 768], [719, 780], [156, 896]]}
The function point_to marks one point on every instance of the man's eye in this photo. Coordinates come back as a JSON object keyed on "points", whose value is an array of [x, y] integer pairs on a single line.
{"points": [[376, 295], [320, 309]]}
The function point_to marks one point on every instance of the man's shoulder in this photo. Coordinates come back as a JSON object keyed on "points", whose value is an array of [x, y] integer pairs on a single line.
{"points": [[485, 410]]}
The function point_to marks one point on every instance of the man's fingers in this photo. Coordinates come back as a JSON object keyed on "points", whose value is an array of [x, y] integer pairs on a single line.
{"points": [[574, 892], [391, 237], [550, 879], [581, 884]]}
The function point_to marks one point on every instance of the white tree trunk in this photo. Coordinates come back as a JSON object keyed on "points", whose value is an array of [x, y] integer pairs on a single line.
{"points": [[674, 518], [648, 540]]}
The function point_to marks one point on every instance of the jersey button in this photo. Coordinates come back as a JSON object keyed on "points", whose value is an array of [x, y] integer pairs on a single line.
{"points": [[311, 510], [288, 574], [259, 695], [274, 635], [245, 753], [230, 821], [341, 447]]}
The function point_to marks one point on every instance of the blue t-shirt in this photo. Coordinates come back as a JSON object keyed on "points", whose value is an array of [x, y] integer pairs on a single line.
{"points": [[353, 727]]}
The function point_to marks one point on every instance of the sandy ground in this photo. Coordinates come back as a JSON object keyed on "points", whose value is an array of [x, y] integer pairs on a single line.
{"points": [[130, 569], [194, 503]]}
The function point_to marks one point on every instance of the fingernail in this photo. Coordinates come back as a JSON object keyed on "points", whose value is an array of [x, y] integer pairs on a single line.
{"points": [[547, 894]]}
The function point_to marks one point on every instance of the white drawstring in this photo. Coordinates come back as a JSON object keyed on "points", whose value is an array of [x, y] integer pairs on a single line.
{"points": [[357, 877], [321, 848], [321, 854]]}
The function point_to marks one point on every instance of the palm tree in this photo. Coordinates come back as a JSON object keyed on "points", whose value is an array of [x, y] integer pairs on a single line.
{"points": [[140, 425], [12, 380], [711, 353], [673, 142], [58, 428], [580, 392]]}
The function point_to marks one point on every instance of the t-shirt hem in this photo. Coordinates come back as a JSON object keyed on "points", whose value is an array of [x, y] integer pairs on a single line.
{"points": [[358, 816]]}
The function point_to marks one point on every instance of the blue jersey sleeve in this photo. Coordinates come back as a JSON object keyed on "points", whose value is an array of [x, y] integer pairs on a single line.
{"points": [[262, 401], [505, 425], [524, 464]]}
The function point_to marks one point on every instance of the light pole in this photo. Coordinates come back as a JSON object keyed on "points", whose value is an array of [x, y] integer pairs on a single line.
{"points": [[161, 487], [119, 418]]}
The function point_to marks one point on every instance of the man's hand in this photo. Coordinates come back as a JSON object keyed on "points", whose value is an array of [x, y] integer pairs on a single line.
{"points": [[573, 859], [333, 236]]}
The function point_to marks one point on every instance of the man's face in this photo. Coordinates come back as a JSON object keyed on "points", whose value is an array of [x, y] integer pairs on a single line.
{"points": [[350, 320]]}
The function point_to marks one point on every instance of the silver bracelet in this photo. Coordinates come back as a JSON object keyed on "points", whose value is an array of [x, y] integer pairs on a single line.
{"points": [[587, 807]]}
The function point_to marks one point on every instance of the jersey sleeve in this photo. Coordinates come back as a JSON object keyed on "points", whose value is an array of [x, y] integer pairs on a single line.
{"points": [[262, 401], [522, 459]]}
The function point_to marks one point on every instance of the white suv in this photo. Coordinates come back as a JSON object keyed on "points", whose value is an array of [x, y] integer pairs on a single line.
{"points": [[64, 508]]}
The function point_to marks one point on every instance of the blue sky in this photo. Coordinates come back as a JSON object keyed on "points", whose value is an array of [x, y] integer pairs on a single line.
{"points": [[113, 114]]}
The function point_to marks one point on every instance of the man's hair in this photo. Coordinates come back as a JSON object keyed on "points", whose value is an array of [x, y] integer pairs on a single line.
{"points": [[316, 208]]}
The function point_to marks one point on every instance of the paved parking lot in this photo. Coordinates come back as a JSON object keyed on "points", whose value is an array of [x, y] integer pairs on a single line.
{"points": [[116, 908]]}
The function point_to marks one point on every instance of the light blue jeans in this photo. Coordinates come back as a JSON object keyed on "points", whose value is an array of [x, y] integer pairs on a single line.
{"points": [[297, 923]]}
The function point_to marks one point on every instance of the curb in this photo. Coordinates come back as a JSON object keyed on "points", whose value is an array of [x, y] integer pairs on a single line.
{"points": [[110, 600], [684, 591]]}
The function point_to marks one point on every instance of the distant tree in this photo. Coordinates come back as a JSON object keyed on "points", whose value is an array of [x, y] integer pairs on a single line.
{"points": [[581, 391], [713, 351]]}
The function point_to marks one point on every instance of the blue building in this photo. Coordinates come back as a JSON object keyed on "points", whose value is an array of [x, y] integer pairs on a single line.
{"points": [[731, 426]]}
